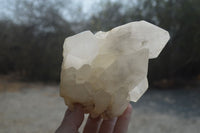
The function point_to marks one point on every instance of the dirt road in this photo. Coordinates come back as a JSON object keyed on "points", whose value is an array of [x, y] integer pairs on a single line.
{"points": [[40, 110]]}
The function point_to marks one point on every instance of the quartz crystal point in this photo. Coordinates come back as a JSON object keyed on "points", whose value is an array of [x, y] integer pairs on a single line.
{"points": [[106, 70]]}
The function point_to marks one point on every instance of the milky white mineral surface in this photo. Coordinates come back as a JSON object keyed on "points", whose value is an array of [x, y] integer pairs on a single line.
{"points": [[106, 70]]}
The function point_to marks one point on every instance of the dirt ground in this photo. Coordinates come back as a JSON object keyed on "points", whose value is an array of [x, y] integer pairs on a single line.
{"points": [[39, 109]]}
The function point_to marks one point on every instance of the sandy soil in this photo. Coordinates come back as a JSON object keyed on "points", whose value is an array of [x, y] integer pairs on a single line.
{"points": [[40, 110]]}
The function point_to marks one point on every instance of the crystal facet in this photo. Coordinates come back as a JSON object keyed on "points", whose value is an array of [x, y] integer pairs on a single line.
{"points": [[104, 71]]}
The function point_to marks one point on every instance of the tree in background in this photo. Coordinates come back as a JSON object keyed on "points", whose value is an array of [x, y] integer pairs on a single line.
{"points": [[31, 44], [181, 57]]}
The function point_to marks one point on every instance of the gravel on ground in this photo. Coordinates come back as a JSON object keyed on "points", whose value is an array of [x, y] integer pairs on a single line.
{"points": [[41, 109]]}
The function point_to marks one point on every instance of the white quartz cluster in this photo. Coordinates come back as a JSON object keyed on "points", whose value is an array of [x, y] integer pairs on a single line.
{"points": [[106, 70]]}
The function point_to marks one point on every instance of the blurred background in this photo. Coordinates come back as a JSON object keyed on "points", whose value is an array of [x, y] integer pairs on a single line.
{"points": [[32, 33]]}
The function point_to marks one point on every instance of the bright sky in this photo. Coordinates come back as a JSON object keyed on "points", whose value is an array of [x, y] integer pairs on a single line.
{"points": [[86, 5]]}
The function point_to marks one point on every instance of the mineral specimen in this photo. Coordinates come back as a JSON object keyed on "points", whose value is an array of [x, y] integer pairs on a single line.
{"points": [[106, 70]]}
